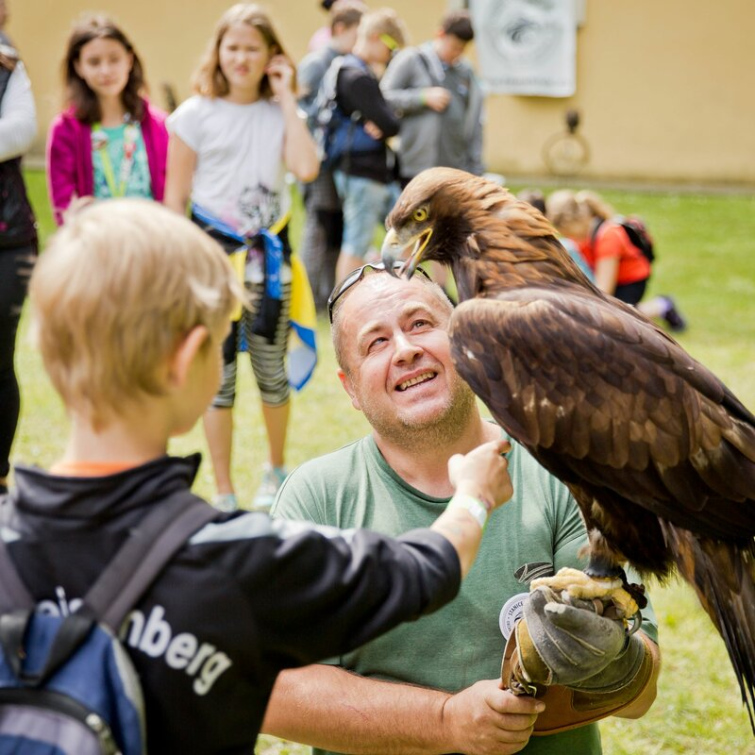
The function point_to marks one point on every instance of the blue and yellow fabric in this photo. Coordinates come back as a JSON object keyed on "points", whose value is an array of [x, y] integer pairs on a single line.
{"points": [[302, 346]]}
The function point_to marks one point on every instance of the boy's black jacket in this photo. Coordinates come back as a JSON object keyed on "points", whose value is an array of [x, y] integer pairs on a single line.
{"points": [[245, 598]]}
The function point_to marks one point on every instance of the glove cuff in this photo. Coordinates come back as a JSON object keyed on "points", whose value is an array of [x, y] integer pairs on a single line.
{"points": [[570, 707]]}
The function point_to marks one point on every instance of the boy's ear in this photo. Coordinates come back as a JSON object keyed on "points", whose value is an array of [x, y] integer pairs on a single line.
{"points": [[185, 354], [349, 388]]}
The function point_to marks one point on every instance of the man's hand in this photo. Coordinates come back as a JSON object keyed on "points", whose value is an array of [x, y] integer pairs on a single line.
{"points": [[482, 483], [436, 98], [485, 719], [574, 646], [483, 473]]}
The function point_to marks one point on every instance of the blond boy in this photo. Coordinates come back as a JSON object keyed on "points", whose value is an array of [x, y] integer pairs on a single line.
{"points": [[132, 303]]}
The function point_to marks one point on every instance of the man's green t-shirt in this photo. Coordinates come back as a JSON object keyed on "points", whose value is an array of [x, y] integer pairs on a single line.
{"points": [[536, 533]]}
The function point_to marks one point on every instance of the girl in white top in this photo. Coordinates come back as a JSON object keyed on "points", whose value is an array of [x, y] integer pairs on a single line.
{"points": [[230, 147]]}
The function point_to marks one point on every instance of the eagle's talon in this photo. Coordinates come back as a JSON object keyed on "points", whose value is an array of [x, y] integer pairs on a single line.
{"points": [[636, 624], [574, 585]]}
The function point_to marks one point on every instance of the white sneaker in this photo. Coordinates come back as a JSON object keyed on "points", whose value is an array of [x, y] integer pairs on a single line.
{"points": [[272, 479], [225, 502]]}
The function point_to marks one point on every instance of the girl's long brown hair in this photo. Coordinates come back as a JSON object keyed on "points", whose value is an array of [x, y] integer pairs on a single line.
{"points": [[78, 95], [208, 80]]}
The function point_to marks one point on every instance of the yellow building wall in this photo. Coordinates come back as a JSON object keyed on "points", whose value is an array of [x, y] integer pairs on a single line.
{"points": [[664, 88]]}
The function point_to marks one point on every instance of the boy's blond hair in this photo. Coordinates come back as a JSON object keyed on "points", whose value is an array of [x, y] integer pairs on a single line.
{"points": [[116, 291], [383, 21]]}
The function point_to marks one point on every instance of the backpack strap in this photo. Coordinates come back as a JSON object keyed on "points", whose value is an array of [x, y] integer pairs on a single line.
{"points": [[428, 66], [148, 549], [138, 562], [13, 592], [597, 225]]}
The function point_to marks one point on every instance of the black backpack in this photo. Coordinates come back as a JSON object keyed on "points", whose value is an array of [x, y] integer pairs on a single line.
{"points": [[637, 232], [67, 685], [337, 134]]}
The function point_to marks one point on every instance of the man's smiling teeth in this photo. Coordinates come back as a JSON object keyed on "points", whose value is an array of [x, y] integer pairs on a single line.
{"points": [[419, 379]]}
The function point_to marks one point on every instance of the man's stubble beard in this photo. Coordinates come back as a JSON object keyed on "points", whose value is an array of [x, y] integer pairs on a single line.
{"points": [[448, 424]]}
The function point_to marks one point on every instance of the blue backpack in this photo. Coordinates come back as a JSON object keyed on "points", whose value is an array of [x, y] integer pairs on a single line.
{"points": [[336, 134], [67, 685]]}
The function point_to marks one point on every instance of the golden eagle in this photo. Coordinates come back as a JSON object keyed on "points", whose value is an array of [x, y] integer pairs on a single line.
{"points": [[657, 451]]}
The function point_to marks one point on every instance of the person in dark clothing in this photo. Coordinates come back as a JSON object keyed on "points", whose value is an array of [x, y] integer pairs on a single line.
{"points": [[18, 230], [133, 346], [323, 224], [365, 169]]}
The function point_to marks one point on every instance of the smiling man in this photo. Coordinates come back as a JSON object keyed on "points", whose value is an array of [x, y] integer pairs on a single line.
{"points": [[433, 685]]}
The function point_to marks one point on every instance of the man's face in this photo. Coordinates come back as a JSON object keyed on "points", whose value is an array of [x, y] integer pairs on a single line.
{"points": [[449, 48], [398, 368]]}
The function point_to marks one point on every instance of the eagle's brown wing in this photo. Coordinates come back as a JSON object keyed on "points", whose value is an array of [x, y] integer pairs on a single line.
{"points": [[610, 404]]}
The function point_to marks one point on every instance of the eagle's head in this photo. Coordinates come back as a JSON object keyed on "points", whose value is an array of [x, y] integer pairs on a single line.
{"points": [[435, 214], [461, 220]]}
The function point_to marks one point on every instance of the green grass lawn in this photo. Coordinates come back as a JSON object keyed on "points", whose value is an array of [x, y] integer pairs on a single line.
{"points": [[706, 259]]}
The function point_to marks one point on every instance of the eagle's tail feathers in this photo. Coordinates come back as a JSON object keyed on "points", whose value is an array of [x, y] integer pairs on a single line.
{"points": [[723, 576]]}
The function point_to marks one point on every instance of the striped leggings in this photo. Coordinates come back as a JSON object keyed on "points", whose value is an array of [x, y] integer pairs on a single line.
{"points": [[268, 359]]}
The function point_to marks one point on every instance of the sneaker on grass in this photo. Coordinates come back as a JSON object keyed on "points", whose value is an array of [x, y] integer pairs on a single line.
{"points": [[225, 502], [673, 317], [272, 479]]}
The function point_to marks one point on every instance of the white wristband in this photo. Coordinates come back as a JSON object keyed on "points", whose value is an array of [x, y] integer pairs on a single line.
{"points": [[477, 509]]}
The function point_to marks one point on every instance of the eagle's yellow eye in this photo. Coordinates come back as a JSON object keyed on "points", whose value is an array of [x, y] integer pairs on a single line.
{"points": [[420, 214]]}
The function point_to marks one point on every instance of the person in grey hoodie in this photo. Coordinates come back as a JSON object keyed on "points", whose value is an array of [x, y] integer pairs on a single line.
{"points": [[436, 94]]}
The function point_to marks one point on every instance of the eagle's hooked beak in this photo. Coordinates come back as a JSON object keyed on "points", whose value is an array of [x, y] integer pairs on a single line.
{"points": [[390, 251], [393, 250]]}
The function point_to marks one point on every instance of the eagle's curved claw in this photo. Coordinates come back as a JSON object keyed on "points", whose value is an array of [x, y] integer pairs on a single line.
{"points": [[635, 625], [618, 602]]}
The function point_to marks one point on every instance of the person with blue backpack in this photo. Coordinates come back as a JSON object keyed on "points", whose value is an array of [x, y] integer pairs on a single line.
{"points": [[323, 224], [356, 120], [132, 304]]}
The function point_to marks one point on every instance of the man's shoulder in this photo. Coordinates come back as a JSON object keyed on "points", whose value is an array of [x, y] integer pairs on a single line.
{"points": [[319, 484], [331, 462]]}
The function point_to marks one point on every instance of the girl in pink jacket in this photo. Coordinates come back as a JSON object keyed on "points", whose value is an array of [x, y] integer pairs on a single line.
{"points": [[109, 142]]}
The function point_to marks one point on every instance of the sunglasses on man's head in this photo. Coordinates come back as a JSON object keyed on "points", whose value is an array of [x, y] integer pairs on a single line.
{"points": [[356, 275]]}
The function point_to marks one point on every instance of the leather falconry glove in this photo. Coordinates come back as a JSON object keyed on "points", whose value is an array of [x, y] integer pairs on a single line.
{"points": [[584, 665], [573, 646]]}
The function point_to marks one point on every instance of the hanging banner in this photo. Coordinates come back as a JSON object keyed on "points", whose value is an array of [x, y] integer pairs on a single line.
{"points": [[526, 46]]}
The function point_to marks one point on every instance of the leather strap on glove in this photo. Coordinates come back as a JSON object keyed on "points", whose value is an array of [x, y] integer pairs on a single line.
{"points": [[582, 665]]}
